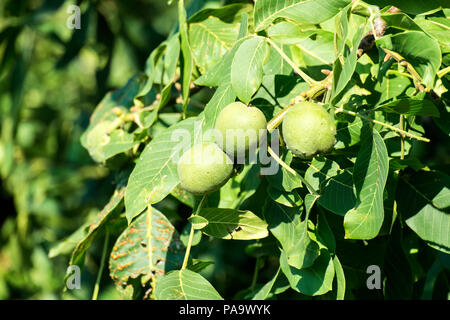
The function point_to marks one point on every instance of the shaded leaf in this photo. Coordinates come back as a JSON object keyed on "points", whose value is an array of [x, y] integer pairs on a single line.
{"points": [[197, 265], [304, 250], [423, 201], [369, 175], [306, 12], [340, 277], [312, 281], [343, 74], [264, 292], [418, 49], [220, 73], [411, 106]]}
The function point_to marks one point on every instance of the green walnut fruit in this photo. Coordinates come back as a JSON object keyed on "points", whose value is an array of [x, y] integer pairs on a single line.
{"points": [[204, 168], [239, 126], [308, 129]]}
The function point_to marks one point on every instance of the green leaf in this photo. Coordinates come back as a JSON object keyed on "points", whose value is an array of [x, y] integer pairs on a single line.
{"points": [[306, 11], [304, 250], [198, 222], [411, 106], [337, 195], [399, 279], [220, 73], [104, 217], [183, 196], [102, 143], [417, 48], [369, 175], [392, 86], [264, 292], [97, 138], [155, 174], [240, 187], [282, 222], [283, 179], [69, 243], [165, 66], [149, 247], [188, 64], [197, 265], [412, 7], [342, 29], [247, 68], [348, 133], [288, 199], [185, 285], [324, 233], [223, 96], [400, 21], [210, 39], [184, 236], [315, 50], [276, 66], [233, 224], [335, 185], [423, 200], [161, 64], [81, 239], [343, 74], [243, 28], [340, 277], [319, 171], [436, 27], [228, 13], [312, 281], [430, 281]]}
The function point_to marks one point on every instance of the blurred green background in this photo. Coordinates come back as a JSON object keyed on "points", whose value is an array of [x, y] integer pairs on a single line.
{"points": [[51, 78]]}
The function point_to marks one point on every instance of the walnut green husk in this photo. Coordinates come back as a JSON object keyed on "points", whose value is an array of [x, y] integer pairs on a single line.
{"points": [[204, 168]]}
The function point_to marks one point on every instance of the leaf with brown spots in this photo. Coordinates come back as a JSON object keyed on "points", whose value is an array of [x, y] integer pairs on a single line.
{"points": [[149, 247]]}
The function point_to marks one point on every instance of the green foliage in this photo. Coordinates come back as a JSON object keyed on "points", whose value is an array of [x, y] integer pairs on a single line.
{"points": [[309, 230]]}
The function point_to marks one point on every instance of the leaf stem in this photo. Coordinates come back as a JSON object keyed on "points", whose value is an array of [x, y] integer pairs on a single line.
{"points": [[402, 138], [288, 168], [304, 76], [255, 274], [277, 119], [102, 265], [405, 133], [443, 72], [416, 77], [191, 233]]}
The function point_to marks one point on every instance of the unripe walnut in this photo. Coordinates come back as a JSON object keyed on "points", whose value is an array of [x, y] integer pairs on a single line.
{"points": [[308, 129], [239, 126], [204, 168]]}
